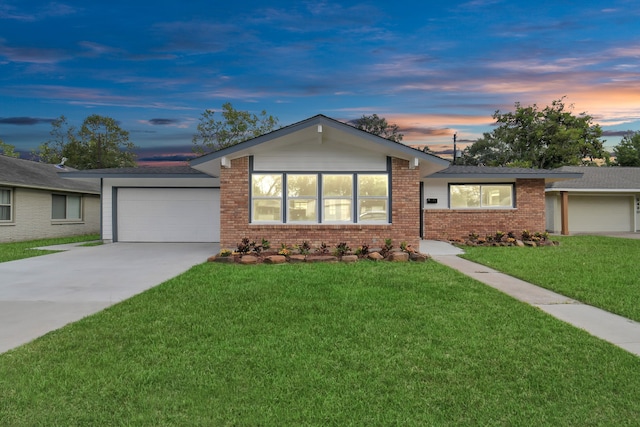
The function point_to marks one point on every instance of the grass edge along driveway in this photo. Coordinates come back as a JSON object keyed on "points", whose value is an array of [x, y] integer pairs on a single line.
{"points": [[12, 251], [319, 344], [597, 270]]}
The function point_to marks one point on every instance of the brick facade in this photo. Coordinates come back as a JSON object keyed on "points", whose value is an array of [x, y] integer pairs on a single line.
{"points": [[32, 217], [234, 214], [529, 214]]}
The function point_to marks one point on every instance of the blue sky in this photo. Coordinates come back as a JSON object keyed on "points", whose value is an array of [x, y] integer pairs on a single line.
{"points": [[434, 68]]}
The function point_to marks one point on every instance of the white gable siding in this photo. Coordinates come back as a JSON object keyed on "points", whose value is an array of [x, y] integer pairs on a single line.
{"points": [[316, 156]]}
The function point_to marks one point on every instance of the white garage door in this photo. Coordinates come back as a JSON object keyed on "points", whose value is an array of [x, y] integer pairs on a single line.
{"points": [[168, 215], [600, 213]]}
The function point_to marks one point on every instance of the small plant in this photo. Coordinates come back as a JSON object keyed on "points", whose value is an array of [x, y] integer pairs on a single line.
{"points": [[386, 248], [244, 247], [341, 250], [304, 248], [526, 235], [284, 249], [363, 250], [499, 235], [225, 253], [323, 249], [473, 237]]}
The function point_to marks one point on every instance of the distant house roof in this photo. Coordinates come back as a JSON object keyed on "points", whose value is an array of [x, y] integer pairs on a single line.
{"points": [[610, 179], [487, 172], [29, 174], [141, 172]]}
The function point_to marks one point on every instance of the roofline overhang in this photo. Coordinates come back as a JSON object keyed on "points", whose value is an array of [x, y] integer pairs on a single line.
{"points": [[593, 190], [86, 174], [548, 177], [45, 188]]}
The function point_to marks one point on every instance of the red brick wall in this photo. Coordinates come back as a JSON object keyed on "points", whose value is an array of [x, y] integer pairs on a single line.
{"points": [[234, 215], [529, 214]]}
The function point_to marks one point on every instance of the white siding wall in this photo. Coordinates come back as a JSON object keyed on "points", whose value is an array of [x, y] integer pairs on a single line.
{"points": [[436, 189], [316, 156]]}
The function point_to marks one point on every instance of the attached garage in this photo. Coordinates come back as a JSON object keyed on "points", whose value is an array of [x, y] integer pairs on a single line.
{"points": [[604, 200], [167, 215], [601, 213]]}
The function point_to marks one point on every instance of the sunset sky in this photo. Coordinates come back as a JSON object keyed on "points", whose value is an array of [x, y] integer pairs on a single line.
{"points": [[432, 67]]}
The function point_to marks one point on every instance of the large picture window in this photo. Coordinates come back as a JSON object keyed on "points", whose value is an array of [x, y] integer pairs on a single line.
{"points": [[6, 205], [64, 207], [478, 196], [320, 198]]}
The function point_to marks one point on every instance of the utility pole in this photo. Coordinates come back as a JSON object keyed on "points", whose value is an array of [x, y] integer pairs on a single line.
{"points": [[455, 136]]}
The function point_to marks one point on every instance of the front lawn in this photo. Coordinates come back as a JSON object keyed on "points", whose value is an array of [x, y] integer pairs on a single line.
{"points": [[19, 250], [319, 344], [597, 270]]}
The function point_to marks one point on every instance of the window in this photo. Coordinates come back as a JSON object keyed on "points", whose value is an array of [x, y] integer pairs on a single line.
{"points": [[475, 196], [302, 198], [266, 194], [66, 207], [373, 197], [320, 198], [6, 205], [337, 198]]}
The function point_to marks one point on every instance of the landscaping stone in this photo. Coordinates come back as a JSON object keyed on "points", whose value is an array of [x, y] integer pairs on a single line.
{"points": [[297, 258], [375, 256], [248, 259], [398, 257], [520, 243], [530, 243], [349, 258], [320, 258], [275, 259], [222, 259], [418, 257]]}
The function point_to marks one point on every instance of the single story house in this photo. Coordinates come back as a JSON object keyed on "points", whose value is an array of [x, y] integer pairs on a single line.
{"points": [[322, 181], [604, 199], [36, 202]]}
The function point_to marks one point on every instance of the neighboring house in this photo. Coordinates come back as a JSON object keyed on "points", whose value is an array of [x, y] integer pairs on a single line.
{"points": [[36, 202], [605, 199], [322, 181]]}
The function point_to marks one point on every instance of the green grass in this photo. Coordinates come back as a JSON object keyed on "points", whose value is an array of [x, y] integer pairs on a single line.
{"points": [[317, 344], [19, 250], [597, 270]]}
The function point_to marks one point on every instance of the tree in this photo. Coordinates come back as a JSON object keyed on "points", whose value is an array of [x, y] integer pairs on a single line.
{"points": [[378, 126], [99, 143], [234, 127], [545, 139], [627, 153], [8, 150]]}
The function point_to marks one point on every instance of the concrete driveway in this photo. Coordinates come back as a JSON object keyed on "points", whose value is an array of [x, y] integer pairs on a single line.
{"points": [[40, 294]]}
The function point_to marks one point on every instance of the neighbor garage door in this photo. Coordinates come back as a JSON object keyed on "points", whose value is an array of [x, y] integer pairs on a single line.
{"points": [[168, 215], [588, 214]]}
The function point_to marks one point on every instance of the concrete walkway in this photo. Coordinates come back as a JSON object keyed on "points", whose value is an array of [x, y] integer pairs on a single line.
{"points": [[40, 294], [617, 330]]}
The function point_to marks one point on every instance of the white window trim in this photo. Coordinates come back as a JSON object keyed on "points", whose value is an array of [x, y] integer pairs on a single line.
{"points": [[284, 199], [10, 205]]}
